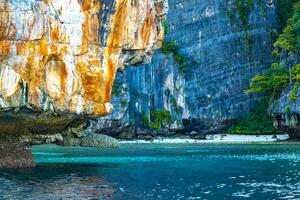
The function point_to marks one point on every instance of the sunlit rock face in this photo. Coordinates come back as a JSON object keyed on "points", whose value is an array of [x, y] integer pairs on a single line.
{"points": [[61, 56]]}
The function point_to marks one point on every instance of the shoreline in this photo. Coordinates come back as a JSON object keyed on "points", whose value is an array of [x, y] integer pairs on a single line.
{"points": [[213, 139]]}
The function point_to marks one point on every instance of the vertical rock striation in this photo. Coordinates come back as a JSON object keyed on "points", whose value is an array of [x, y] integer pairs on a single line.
{"points": [[222, 55]]}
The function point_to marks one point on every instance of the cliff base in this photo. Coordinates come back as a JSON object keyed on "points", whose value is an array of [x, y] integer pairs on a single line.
{"points": [[14, 154]]}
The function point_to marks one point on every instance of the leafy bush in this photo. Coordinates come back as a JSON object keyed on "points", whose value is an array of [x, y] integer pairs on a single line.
{"points": [[166, 26], [287, 40], [169, 47], [179, 58], [284, 10], [277, 77], [271, 81], [296, 79], [290, 38], [145, 118], [257, 122], [172, 47], [158, 119]]}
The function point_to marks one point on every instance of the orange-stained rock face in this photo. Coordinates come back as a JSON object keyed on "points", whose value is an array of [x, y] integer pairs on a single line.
{"points": [[62, 55]]}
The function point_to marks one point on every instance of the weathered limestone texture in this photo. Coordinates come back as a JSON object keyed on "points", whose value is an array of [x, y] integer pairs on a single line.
{"points": [[58, 58], [210, 94]]}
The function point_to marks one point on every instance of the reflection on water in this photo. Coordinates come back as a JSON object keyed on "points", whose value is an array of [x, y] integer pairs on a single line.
{"points": [[150, 171], [55, 182]]}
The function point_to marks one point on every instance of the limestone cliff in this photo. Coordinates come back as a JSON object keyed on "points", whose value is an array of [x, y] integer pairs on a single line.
{"points": [[222, 54], [59, 58], [286, 111]]}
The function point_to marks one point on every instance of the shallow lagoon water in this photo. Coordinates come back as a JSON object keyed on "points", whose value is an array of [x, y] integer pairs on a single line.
{"points": [[158, 171]]}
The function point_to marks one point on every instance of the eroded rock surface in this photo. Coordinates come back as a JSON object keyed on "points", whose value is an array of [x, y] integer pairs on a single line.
{"points": [[58, 58], [58, 61], [209, 94], [15, 155]]}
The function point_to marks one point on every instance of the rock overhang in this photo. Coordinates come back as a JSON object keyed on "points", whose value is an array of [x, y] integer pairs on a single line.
{"points": [[61, 57]]}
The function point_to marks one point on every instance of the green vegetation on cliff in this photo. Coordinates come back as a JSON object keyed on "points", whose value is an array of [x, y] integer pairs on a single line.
{"points": [[166, 26], [170, 46], [284, 11], [271, 81], [238, 12], [284, 72], [257, 122], [158, 119]]}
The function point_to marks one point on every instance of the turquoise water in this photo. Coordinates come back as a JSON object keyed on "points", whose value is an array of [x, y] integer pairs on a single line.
{"points": [[148, 171]]}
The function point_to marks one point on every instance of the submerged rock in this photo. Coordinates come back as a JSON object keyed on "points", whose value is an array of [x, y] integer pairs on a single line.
{"points": [[90, 140], [99, 140]]}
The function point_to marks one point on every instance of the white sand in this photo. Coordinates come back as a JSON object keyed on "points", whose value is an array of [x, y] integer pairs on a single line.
{"points": [[217, 138]]}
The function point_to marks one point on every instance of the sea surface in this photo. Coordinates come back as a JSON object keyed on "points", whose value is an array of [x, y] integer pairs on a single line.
{"points": [[158, 171]]}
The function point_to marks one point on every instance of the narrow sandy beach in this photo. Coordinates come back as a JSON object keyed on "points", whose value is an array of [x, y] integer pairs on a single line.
{"points": [[216, 138]]}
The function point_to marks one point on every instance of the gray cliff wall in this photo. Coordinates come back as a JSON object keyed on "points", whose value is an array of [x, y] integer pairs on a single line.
{"points": [[286, 112], [210, 94]]}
